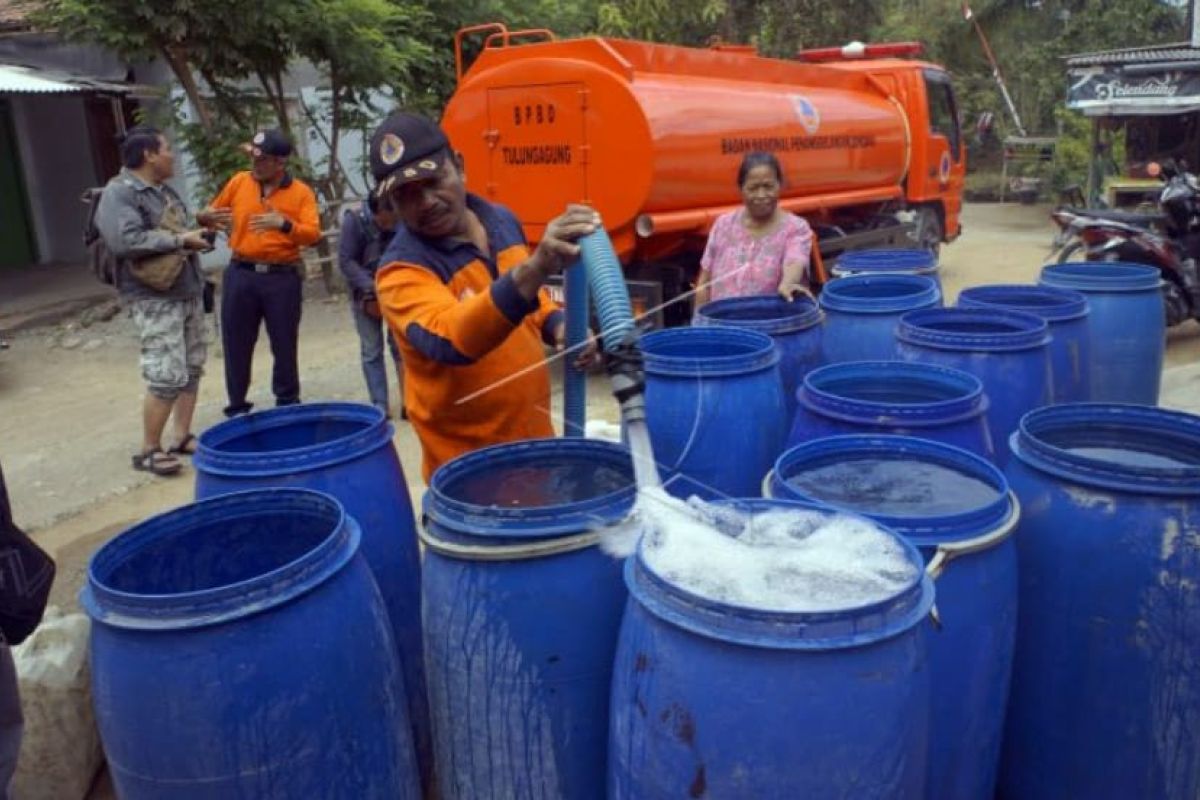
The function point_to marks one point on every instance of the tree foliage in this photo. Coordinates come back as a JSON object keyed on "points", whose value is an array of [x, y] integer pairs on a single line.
{"points": [[231, 58]]}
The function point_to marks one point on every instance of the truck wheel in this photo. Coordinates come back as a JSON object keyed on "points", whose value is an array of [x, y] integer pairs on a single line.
{"points": [[929, 234]]}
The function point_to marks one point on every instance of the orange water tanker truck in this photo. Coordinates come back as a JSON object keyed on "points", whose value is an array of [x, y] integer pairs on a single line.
{"points": [[651, 135]]}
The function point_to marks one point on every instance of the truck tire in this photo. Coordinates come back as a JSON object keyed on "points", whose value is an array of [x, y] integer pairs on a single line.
{"points": [[929, 233]]}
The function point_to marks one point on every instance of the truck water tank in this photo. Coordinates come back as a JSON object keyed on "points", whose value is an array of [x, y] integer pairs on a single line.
{"points": [[653, 134]]}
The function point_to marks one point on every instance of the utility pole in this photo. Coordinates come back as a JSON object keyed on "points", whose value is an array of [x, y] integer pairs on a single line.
{"points": [[969, 16]]}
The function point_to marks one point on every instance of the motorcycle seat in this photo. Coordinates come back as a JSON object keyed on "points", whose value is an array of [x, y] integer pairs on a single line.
{"points": [[1135, 218]]}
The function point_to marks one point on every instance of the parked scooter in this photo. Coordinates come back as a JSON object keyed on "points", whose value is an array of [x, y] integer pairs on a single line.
{"points": [[1168, 239]]}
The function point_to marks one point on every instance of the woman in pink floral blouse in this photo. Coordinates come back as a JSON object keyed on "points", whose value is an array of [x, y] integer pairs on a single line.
{"points": [[760, 248]]}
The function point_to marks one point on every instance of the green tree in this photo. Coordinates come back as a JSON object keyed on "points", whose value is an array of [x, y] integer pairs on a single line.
{"points": [[220, 49]]}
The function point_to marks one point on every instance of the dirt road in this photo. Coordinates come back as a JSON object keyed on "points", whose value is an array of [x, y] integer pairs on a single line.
{"points": [[69, 417]]}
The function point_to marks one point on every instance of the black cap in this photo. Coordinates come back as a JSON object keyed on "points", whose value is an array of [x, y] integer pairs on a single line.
{"points": [[273, 142], [406, 147]]}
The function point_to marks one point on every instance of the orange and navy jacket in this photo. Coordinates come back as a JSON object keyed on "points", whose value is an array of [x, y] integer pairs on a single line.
{"points": [[292, 198], [462, 327]]}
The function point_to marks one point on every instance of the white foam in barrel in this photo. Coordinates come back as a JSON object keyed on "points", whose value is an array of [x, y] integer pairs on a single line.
{"points": [[778, 560]]}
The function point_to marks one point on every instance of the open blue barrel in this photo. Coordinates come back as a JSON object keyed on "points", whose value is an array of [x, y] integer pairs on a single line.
{"points": [[714, 409], [1009, 351], [956, 507], [716, 700], [345, 450], [862, 311], [1066, 312], [909, 399], [521, 613], [1105, 699], [903, 261], [240, 648], [1127, 327], [795, 326]]}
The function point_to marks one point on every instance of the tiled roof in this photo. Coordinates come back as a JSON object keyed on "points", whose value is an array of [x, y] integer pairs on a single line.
{"points": [[1136, 55]]}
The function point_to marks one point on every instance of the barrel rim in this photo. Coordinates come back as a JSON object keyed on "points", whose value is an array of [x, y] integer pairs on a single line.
{"points": [[1029, 331], [1040, 455], [210, 458], [226, 603], [922, 292], [761, 352], [784, 630], [921, 531], [476, 524], [887, 261], [970, 404], [795, 316], [1072, 304], [1102, 276]]}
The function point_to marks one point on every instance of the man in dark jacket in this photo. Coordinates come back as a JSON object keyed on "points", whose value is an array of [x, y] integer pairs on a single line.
{"points": [[141, 219], [366, 233], [26, 574]]}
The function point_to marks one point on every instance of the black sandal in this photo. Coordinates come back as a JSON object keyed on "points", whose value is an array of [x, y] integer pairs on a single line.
{"points": [[157, 462], [182, 448]]}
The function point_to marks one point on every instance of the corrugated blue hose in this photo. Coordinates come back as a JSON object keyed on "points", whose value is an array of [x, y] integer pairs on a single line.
{"points": [[609, 293], [575, 380]]}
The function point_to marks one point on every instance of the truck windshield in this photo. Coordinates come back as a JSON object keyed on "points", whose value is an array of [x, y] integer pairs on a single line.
{"points": [[943, 111]]}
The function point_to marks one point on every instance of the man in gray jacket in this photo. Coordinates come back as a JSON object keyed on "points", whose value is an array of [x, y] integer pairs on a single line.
{"points": [[141, 218]]}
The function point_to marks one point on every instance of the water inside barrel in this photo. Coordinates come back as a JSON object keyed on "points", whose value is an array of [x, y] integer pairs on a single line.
{"points": [[894, 487], [549, 483], [1133, 458]]}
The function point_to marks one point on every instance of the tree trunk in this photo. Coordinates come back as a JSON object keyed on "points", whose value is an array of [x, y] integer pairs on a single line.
{"points": [[227, 104], [335, 128], [276, 101], [183, 71]]}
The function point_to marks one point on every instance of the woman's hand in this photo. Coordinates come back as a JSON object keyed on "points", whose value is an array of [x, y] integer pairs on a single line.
{"points": [[789, 291]]}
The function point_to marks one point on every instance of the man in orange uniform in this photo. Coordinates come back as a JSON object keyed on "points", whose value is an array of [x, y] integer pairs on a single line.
{"points": [[464, 297], [270, 215]]}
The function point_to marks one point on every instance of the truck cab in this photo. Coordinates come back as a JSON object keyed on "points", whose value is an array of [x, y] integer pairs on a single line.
{"points": [[937, 172]]}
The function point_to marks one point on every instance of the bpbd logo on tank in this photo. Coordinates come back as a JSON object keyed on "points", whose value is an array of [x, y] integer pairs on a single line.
{"points": [[809, 117]]}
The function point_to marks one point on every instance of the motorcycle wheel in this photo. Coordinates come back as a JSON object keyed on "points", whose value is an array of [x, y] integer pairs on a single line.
{"points": [[1075, 251], [1176, 304]]}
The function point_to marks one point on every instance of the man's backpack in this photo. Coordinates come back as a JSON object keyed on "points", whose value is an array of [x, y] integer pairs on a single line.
{"points": [[101, 261]]}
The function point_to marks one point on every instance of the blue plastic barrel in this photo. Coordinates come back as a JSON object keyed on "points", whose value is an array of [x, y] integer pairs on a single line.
{"points": [[1105, 698], [911, 399], [1066, 312], [345, 450], [795, 326], [712, 700], [1009, 351], [714, 408], [240, 648], [521, 613], [904, 261], [862, 311], [956, 507], [1127, 327]]}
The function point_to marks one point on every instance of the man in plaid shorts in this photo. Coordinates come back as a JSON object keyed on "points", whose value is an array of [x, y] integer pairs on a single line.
{"points": [[142, 220]]}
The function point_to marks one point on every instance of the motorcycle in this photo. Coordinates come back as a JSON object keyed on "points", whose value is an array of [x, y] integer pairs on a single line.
{"points": [[1168, 239]]}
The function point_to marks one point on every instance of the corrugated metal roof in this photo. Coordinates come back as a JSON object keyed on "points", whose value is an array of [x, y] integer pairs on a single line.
{"points": [[1136, 55], [15, 79]]}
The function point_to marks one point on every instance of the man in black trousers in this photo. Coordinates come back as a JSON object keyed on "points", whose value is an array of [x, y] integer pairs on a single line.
{"points": [[269, 215]]}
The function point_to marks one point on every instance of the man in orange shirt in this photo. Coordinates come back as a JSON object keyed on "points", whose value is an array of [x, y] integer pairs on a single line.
{"points": [[269, 215], [463, 296]]}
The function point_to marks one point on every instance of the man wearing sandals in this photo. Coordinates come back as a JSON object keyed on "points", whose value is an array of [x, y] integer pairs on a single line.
{"points": [[142, 221]]}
